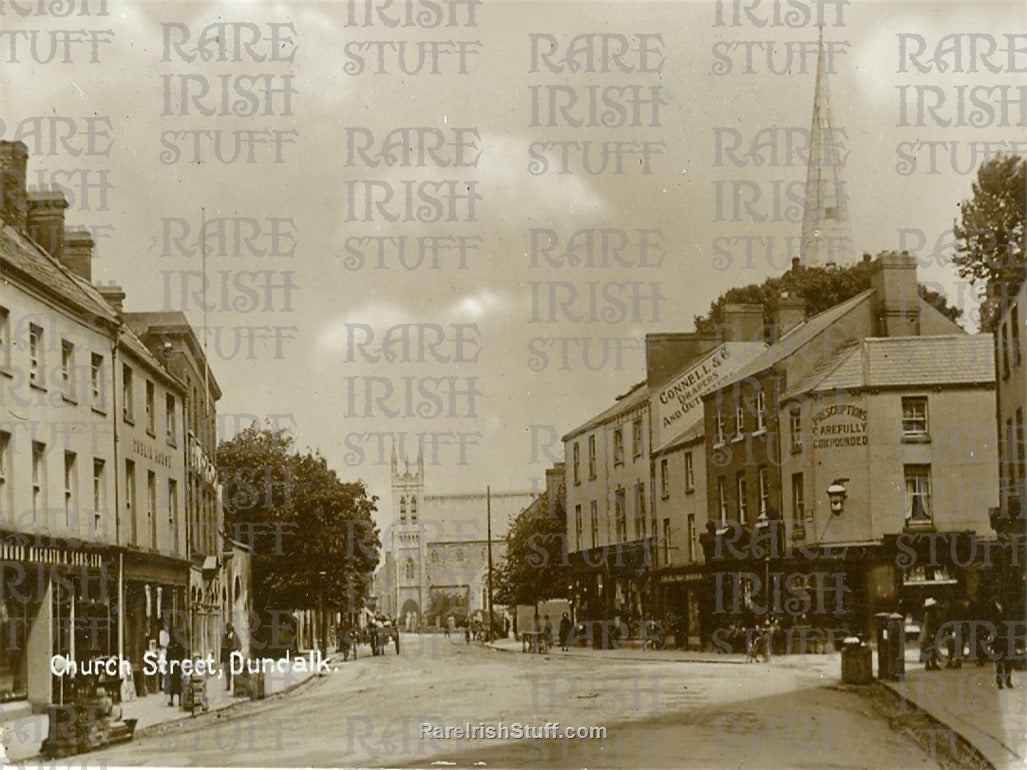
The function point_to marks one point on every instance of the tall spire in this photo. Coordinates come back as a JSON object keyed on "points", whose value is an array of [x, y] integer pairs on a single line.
{"points": [[826, 229]]}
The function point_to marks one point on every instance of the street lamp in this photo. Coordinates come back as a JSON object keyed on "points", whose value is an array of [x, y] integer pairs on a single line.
{"points": [[836, 493]]}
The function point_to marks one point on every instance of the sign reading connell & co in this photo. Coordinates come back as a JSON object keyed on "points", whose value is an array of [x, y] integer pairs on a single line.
{"points": [[677, 405]]}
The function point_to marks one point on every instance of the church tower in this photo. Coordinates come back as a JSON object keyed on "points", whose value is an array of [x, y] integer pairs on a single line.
{"points": [[826, 229], [407, 546]]}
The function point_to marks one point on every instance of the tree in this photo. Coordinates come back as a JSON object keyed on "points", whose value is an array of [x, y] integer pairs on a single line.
{"points": [[820, 287], [990, 233], [535, 566], [311, 533]]}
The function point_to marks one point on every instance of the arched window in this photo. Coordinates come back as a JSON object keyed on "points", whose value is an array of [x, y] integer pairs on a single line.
{"points": [[434, 556], [413, 510], [410, 569], [402, 509]]}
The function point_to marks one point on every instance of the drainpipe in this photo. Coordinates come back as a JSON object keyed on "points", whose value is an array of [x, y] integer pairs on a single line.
{"points": [[117, 496]]}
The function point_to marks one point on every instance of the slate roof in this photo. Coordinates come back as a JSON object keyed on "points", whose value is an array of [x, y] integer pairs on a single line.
{"points": [[888, 362], [687, 436], [25, 257], [639, 394], [796, 338]]}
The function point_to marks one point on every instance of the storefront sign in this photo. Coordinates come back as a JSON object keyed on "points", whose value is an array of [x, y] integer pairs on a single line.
{"points": [[148, 452], [839, 426], [38, 554]]}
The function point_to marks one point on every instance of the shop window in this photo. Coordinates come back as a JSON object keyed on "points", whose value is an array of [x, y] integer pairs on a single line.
{"points": [[14, 627]]}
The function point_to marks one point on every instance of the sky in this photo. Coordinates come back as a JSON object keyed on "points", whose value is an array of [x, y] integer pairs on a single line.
{"points": [[486, 337]]}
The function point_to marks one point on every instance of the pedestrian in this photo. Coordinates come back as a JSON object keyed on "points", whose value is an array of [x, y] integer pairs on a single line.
{"points": [[954, 637], [1001, 647], [565, 631], [174, 652], [229, 644], [547, 633], [467, 634], [929, 632]]}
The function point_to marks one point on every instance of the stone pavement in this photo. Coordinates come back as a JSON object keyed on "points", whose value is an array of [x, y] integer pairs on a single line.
{"points": [[24, 732], [968, 701], [965, 700]]}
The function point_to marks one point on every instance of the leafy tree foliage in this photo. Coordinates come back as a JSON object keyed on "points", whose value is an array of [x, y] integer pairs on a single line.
{"points": [[820, 287], [990, 233], [310, 531], [535, 566]]}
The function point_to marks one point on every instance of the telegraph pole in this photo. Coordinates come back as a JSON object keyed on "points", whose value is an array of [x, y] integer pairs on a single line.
{"points": [[488, 509]]}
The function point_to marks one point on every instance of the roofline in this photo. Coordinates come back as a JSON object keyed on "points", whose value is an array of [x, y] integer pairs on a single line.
{"points": [[63, 301]]}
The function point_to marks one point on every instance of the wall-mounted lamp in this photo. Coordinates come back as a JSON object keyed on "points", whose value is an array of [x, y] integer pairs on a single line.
{"points": [[836, 493]]}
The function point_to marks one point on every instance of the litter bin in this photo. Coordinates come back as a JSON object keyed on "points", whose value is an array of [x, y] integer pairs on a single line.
{"points": [[857, 662]]}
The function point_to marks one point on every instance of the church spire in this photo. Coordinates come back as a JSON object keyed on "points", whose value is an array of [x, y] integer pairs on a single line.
{"points": [[826, 230]]}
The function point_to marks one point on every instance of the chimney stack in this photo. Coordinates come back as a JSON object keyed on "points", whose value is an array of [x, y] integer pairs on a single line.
{"points": [[45, 220], [791, 311], [13, 164], [742, 323], [896, 299], [78, 252], [113, 295]]}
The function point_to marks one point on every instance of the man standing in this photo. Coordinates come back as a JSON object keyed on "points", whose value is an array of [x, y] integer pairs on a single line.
{"points": [[928, 640], [229, 644], [565, 631]]}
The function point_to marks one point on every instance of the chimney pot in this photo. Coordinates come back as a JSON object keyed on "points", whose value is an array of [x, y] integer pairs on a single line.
{"points": [[78, 252], [45, 219]]}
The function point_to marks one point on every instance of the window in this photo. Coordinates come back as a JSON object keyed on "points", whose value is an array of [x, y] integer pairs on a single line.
{"points": [[593, 515], [763, 479], [99, 493], [636, 437], [410, 569], [6, 487], [576, 455], [722, 500], [151, 418], [35, 356], [592, 456], [96, 382], [151, 506], [1021, 459], [914, 416], [664, 480], [620, 515], [1014, 328], [639, 511], [70, 491], [666, 541], [739, 417], [5, 337], [403, 510], [689, 473], [130, 501], [413, 510], [618, 446], [577, 527], [719, 437], [126, 393], [170, 426], [38, 477], [742, 502], [798, 505], [761, 410], [173, 513], [68, 370], [795, 429], [1004, 345], [459, 554], [918, 494], [691, 537]]}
